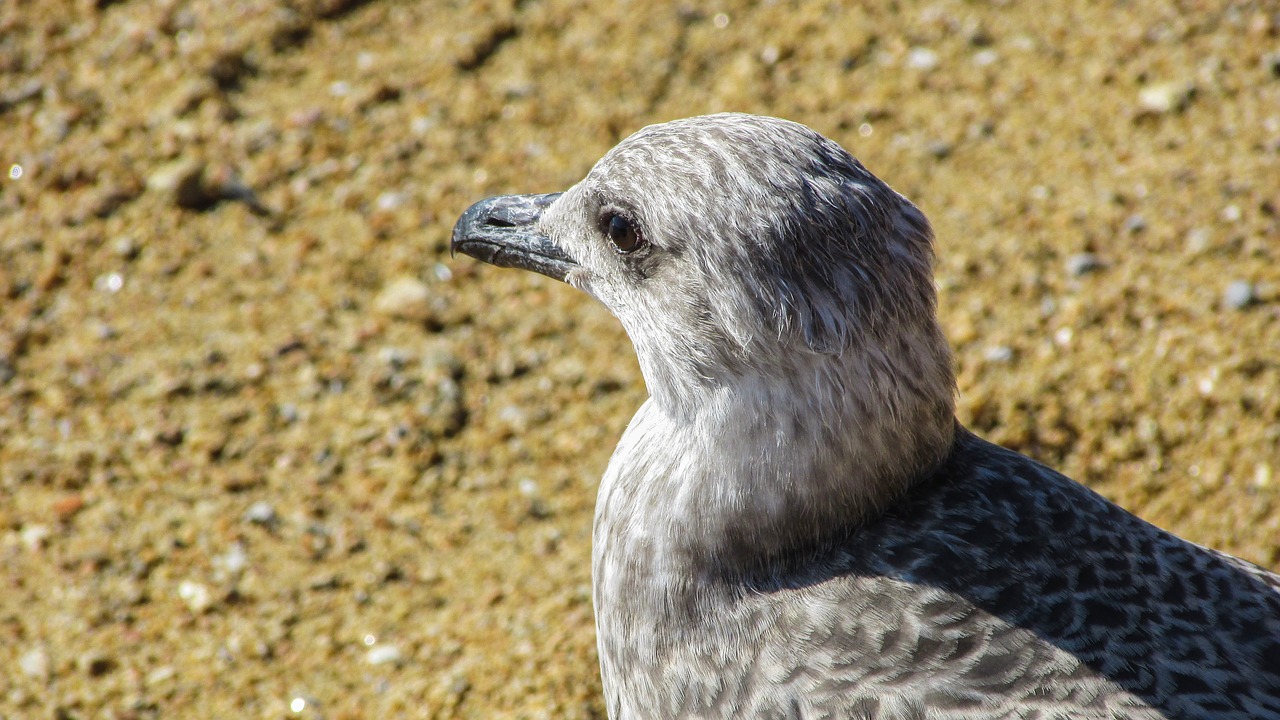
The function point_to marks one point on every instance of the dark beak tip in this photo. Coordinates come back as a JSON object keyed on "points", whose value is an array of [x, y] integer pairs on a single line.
{"points": [[503, 231]]}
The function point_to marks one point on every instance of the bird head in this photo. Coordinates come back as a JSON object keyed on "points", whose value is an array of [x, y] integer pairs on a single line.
{"points": [[731, 247]]}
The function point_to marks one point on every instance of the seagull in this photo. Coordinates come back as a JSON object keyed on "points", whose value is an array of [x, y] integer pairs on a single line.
{"points": [[794, 524]]}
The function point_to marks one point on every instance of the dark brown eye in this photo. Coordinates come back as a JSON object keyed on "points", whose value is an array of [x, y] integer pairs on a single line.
{"points": [[622, 232]]}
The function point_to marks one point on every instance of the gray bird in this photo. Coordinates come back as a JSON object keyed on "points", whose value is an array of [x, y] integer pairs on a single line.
{"points": [[794, 525]]}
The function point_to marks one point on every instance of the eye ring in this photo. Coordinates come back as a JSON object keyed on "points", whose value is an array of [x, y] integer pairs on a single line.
{"points": [[622, 231]]}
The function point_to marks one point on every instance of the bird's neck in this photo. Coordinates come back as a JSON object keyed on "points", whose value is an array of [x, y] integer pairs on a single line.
{"points": [[769, 467]]}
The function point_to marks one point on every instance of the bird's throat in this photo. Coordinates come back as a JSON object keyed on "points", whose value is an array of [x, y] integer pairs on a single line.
{"points": [[766, 468]]}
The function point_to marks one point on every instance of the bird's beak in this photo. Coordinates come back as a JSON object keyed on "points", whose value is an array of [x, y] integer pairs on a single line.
{"points": [[503, 231]]}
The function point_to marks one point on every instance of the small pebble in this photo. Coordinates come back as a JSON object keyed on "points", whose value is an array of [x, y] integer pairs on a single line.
{"points": [[998, 354], [182, 183], [986, 57], [514, 417], [109, 282], [1165, 97], [196, 595], [940, 149], [405, 298], [234, 561], [440, 360], [383, 655], [1261, 475], [260, 513], [101, 330], [1239, 295], [34, 663], [459, 685], [921, 58], [1083, 264], [191, 184], [35, 537], [391, 200], [1197, 240], [126, 247], [288, 413], [395, 357], [305, 118], [161, 674], [67, 506], [1135, 224]]}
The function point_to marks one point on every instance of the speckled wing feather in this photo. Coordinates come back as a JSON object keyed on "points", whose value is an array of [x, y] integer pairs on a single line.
{"points": [[1001, 589]]}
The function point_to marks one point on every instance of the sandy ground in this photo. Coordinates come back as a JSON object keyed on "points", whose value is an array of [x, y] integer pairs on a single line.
{"points": [[267, 451]]}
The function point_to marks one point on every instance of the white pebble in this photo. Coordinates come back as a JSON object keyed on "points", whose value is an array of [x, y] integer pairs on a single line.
{"points": [[110, 282], [383, 655], [391, 200], [514, 417], [35, 537], [160, 674], [234, 561], [196, 595], [406, 298], [998, 354], [986, 57], [1262, 475], [34, 663], [921, 58], [1239, 295], [1083, 264], [1197, 240], [1165, 97], [260, 513]]}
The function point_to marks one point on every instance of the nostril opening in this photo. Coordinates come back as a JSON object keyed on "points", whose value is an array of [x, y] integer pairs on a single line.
{"points": [[496, 221]]}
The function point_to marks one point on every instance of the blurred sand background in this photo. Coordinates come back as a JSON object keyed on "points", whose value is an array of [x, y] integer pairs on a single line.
{"points": [[267, 451]]}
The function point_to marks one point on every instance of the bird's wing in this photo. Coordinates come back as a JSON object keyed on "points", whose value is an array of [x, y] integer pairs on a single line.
{"points": [[1004, 589]]}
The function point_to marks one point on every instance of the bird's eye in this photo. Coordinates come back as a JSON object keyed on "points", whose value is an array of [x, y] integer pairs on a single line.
{"points": [[622, 232]]}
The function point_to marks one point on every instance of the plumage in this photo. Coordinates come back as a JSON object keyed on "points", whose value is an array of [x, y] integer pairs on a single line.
{"points": [[794, 525]]}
